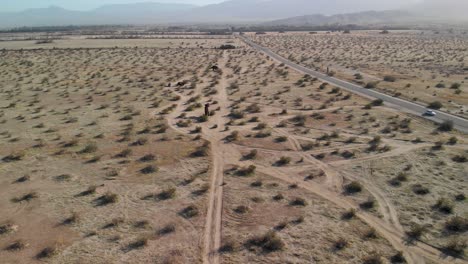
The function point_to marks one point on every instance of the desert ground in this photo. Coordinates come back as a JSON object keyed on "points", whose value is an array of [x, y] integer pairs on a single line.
{"points": [[106, 156], [421, 66]]}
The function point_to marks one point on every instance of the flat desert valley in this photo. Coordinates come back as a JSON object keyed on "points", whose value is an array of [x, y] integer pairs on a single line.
{"points": [[106, 155]]}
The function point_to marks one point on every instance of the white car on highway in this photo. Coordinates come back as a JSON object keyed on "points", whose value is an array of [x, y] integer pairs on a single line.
{"points": [[429, 113]]}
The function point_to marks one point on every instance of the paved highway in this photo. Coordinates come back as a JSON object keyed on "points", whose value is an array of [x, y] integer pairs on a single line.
{"points": [[407, 106]]}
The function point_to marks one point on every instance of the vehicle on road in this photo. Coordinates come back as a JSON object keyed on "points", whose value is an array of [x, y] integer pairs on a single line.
{"points": [[429, 113]]}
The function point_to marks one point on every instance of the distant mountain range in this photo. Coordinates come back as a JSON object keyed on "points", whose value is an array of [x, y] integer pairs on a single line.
{"points": [[241, 11], [360, 18]]}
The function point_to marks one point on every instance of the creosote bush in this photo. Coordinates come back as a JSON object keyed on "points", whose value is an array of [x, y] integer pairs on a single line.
{"points": [[108, 198], [189, 211], [268, 242], [353, 187]]}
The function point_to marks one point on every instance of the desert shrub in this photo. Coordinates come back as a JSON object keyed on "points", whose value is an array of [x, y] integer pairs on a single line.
{"points": [[389, 78], [282, 225], [47, 252], [298, 202], [455, 86], [281, 139], [124, 153], [234, 136], [202, 118], [369, 204], [416, 231], [253, 108], [253, 119], [452, 141], [139, 243], [143, 224], [440, 85], [13, 157], [350, 214], [446, 126], [420, 190], [278, 197], [283, 161], [107, 198], [435, 105], [246, 171], [91, 190], [228, 246], [370, 233], [147, 158], [320, 156], [444, 205], [16, 246], [139, 142], [353, 187], [149, 169], [201, 151], [459, 159], [257, 183], [371, 85], [374, 258], [457, 224], [438, 145], [307, 147], [401, 177], [7, 228], [227, 46], [182, 123], [347, 154], [340, 244], [202, 190], [25, 198], [189, 211], [377, 102], [268, 242], [455, 247], [299, 120], [63, 177], [73, 218], [197, 130], [460, 197], [358, 76], [260, 126], [236, 114], [251, 155], [167, 194], [241, 209], [24, 178], [170, 228], [398, 258]]}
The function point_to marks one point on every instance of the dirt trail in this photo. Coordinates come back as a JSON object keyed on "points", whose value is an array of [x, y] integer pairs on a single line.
{"points": [[227, 153], [212, 236], [212, 233]]}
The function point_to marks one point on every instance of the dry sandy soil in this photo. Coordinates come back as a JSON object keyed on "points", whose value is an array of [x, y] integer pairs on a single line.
{"points": [[102, 161], [416, 65]]}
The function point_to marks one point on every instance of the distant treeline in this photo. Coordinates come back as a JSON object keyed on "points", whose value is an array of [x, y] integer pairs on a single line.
{"points": [[124, 30], [191, 30], [59, 29]]}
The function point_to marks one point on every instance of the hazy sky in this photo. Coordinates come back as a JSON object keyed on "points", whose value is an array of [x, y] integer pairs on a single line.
{"points": [[18, 5]]}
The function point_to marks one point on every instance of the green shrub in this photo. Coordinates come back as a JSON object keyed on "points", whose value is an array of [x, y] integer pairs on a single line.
{"points": [[353, 187], [435, 105], [446, 126], [268, 242]]}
